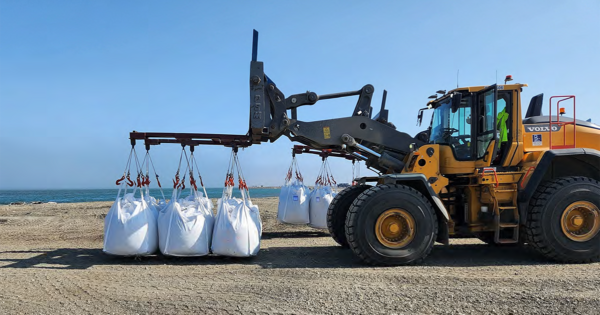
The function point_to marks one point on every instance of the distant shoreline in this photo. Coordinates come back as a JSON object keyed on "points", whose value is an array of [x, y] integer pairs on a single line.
{"points": [[18, 204], [61, 196]]}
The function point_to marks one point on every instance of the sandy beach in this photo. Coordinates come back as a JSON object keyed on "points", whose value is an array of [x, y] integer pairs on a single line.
{"points": [[51, 262]]}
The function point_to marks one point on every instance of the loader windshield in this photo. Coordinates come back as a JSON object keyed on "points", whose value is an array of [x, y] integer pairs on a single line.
{"points": [[453, 129]]}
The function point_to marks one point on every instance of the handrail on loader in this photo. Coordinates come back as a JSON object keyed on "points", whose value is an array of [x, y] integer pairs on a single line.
{"points": [[561, 123]]}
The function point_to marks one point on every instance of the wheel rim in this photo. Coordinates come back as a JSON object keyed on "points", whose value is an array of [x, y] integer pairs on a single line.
{"points": [[580, 221], [395, 228]]}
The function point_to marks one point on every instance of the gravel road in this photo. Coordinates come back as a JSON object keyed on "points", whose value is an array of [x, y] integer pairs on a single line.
{"points": [[51, 262]]}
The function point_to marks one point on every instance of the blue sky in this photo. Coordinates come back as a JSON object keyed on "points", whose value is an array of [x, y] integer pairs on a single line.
{"points": [[77, 76]]}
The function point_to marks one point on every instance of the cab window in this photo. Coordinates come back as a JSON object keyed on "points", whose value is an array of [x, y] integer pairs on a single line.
{"points": [[486, 122], [453, 129]]}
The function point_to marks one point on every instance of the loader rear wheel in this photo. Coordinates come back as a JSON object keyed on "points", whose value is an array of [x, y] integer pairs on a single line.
{"points": [[564, 220], [391, 225], [338, 209]]}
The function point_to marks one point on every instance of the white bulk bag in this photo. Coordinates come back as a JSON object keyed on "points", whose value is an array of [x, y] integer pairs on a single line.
{"points": [[293, 204], [320, 198], [185, 226], [130, 227], [293, 198], [238, 227]]}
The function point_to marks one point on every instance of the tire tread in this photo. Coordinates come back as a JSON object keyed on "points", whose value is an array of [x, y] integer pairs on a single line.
{"points": [[335, 225]]}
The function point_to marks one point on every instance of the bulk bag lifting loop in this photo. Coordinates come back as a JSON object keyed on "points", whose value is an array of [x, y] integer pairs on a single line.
{"points": [[321, 196], [148, 161], [144, 181]]}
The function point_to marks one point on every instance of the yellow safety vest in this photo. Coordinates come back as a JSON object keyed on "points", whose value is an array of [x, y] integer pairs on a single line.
{"points": [[501, 125]]}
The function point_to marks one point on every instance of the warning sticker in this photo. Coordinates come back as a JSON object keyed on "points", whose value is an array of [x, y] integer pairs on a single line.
{"points": [[537, 140], [326, 133]]}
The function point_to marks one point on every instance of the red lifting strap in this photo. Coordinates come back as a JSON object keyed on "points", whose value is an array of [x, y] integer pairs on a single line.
{"points": [[176, 181], [129, 181], [182, 184], [120, 180], [229, 181], [193, 183], [243, 184]]}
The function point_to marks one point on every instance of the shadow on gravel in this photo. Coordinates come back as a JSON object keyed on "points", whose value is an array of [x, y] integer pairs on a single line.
{"points": [[480, 255], [471, 255], [293, 234], [278, 257]]}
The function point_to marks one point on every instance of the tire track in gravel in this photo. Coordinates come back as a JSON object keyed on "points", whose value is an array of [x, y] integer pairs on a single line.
{"points": [[59, 291], [31, 289]]}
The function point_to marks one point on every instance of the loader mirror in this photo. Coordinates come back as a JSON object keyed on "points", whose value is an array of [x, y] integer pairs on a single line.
{"points": [[420, 117], [456, 98]]}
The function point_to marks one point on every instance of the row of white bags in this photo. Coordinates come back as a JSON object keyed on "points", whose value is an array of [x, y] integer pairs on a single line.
{"points": [[184, 226], [298, 205]]}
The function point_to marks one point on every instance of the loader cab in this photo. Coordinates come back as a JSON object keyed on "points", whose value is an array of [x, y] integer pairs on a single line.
{"points": [[451, 125], [475, 123]]}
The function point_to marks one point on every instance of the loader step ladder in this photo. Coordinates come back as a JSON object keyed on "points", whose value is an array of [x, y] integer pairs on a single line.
{"points": [[506, 218], [561, 124], [510, 226]]}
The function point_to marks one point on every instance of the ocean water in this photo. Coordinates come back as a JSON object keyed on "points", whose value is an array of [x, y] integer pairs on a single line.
{"points": [[86, 195]]}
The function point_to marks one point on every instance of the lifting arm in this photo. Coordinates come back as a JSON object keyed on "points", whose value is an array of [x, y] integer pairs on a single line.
{"points": [[374, 140]]}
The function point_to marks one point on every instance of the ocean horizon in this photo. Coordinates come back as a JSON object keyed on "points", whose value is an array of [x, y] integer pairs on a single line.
{"points": [[110, 194]]}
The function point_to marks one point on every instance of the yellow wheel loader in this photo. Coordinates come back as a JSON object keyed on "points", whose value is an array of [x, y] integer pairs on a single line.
{"points": [[478, 170]]}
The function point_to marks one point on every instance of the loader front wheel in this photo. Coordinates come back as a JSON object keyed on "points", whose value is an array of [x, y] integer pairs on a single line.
{"points": [[391, 225], [338, 209], [563, 221]]}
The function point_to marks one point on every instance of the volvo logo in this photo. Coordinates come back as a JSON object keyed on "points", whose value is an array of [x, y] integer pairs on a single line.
{"points": [[541, 128]]}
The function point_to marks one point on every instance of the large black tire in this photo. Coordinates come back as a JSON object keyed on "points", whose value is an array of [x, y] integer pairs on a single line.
{"points": [[544, 231], [365, 212], [338, 209]]}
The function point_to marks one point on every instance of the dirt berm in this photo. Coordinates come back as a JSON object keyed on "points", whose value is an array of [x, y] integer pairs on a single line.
{"points": [[51, 262]]}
